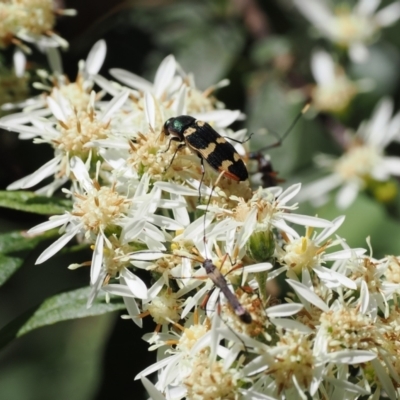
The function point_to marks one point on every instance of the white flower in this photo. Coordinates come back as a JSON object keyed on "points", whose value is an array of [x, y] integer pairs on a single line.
{"points": [[334, 90], [310, 252], [98, 214], [363, 161], [32, 21], [352, 28], [70, 136]]}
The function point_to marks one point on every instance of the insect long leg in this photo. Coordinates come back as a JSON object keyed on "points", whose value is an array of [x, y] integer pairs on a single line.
{"points": [[240, 141], [176, 151], [203, 172]]}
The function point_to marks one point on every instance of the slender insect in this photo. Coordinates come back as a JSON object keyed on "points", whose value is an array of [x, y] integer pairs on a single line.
{"points": [[218, 279], [208, 144]]}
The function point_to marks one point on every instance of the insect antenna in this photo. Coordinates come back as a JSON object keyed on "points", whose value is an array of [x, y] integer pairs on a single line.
{"points": [[280, 139], [269, 176]]}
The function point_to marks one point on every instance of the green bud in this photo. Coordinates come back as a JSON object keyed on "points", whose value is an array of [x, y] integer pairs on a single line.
{"points": [[261, 245]]}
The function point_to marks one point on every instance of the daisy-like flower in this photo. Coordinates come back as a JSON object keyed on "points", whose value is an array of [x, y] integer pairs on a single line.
{"points": [[347, 335], [112, 223], [351, 28], [363, 165], [259, 216], [76, 93], [70, 136], [333, 91], [32, 21], [311, 252]]}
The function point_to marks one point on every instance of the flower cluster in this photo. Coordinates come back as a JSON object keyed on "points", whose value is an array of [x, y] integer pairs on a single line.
{"points": [[363, 164], [143, 202], [31, 21], [350, 28]]}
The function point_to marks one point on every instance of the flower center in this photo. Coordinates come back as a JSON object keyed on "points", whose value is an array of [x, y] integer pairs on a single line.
{"points": [[357, 162], [350, 28]]}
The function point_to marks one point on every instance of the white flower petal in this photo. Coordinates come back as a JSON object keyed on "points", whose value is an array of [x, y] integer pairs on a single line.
{"points": [[329, 275], [378, 122], [197, 228], [146, 255], [318, 13], [57, 245], [358, 52], [114, 105], [366, 7], [81, 173], [164, 75], [385, 379], [307, 220], [344, 254], [392, 165], [151, 389], [43, 172], [177, 189], [388, 15], [131, 79], [284, 310], [106, 85], [307, 294], [180, 102], [351, 387], [132, 230], [288, 194], [282, 226], [364, 298], [158, 365], [135, 284], [96, 57], [323, 68], [21, 118], [165, 222], [220, 118], [56, 109], [319, 187], [132, 307], [181, 214], [258, 364], [254, 395], [254, 268], [97, 259], [323, 235], [350, 356], [19, 61], [54, 222], [150, 110], [118, 290], [347, 194]]}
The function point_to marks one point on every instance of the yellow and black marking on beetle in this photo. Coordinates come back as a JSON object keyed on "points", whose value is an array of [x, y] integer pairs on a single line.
{"points": [[208, 144]]}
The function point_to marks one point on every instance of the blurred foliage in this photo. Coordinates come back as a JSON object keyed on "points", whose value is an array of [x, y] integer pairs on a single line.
{"points": [[264, 48]]}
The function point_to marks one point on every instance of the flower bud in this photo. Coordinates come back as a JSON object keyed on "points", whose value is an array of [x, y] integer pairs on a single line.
{"points": [[261, 246]]}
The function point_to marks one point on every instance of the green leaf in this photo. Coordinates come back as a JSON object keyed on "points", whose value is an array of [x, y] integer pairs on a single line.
{"points": [[16, 242], [20, 240], [62, 307], [8, 265], [30, 202]]}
